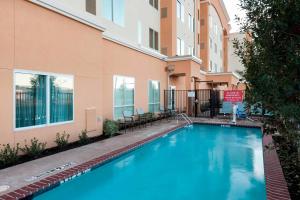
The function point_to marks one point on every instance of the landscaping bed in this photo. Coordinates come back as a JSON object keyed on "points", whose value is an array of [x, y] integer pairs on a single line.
{"points": [[288, 156]]}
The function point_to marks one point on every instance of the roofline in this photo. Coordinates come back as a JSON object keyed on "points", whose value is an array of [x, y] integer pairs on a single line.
{"points": [[183, 58], [140, 48], [70, 13], [222, 5]]}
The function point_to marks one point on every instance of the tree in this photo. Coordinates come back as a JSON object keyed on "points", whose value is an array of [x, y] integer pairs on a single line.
{"points": [[272, 71], [272, 57]]}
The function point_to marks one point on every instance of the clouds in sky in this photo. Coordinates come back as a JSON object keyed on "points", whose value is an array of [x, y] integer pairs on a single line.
{"points": [[234, 10]]}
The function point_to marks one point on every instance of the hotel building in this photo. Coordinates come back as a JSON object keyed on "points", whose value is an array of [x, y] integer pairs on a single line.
{"points": [[67, 65]]}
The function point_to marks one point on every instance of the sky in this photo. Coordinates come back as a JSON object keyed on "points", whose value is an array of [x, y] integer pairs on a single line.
{"points": [[233, 10]]}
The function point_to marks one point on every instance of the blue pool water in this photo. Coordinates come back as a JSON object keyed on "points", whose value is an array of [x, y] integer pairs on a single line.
{"points": [[199, 162]]}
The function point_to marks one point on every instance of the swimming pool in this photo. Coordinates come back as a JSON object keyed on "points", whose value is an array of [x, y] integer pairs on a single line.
{"points": [[197, 162]]}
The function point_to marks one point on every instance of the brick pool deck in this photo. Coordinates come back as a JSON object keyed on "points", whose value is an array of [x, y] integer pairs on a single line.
{"points": [[89, 156]]}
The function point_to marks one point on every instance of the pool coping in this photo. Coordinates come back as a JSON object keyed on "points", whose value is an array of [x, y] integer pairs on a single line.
{"points": [[276, 186]]}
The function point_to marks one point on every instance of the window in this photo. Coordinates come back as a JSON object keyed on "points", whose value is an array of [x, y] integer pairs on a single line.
{"points": [[178, 46], [182, 48], [123, 96], [139, 27], [154, 3], [180, 11], [114, 10], [210, 22], [90, 6], [216, 48], [154, 96], [42, 99], [191, 23], [153, 39], [216, 68], [210, 66], [210, 43], [164, 13], [191, 51]]}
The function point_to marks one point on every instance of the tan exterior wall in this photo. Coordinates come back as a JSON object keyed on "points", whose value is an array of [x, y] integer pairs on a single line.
{"points": [[37, 39], [123, 61], [204, 36], [168, 27], [33, 38], [219, 7]]}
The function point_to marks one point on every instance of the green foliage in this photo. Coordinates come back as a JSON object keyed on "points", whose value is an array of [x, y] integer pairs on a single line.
{"points": [[62, 140], [83, 137], [35, 149], [110, 128], [272, 57], [9, 155], [272, 71]]}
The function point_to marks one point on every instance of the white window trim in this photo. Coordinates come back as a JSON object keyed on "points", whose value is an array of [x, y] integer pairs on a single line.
{"points": [[113, 88], [48, 124]]}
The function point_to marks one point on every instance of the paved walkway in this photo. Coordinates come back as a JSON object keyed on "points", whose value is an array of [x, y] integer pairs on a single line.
{"points": [[26, 173], [18, 176]]}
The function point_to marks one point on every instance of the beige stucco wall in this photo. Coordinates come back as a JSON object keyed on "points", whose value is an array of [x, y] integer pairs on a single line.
{"points": [[183, 30], [234, 62], [33, 38], [123, 61], [150, 18]]}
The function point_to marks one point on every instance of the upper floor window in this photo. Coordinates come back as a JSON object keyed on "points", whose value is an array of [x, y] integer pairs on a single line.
{"points": [[216, 48], [153, 39], [191, 23], [154, 3], [191, 50], [90, 6], [42, 99], [180, 47], [114, 10], [180, 11], [210, 22]]}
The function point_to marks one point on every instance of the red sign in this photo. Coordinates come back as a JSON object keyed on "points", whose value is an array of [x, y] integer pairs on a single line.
{"points": [[233, 95]]}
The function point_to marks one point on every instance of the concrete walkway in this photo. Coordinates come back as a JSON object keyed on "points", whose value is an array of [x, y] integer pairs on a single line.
{"points": [[18, 176], [26, 173]]}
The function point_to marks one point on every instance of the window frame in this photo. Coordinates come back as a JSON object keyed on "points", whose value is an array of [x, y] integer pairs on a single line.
{"points": [[149, 82], [112, 17], [154, 4], [115, 76], [155, 39], [48, 123]]}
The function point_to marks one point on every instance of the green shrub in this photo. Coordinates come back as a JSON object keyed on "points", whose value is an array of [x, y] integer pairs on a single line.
{"points": [[35, 149], [83, 137], [62, 140], [110, 128], [9, 155]]}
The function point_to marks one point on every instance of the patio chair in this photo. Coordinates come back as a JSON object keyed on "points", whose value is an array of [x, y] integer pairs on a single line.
{"points": [[226, 108], [129, 120], [241, 111], [163, 113], [172, 113], [142, 116]]}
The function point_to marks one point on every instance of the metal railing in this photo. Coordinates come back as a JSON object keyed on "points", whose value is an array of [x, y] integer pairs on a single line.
{"points": [[184, 117]]}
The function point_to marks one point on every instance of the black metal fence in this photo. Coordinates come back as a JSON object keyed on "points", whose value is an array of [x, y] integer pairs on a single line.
{"points": [[195, 103]]}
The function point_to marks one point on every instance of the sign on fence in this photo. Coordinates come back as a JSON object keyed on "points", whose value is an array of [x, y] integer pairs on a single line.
{"points": [[191, 94], [233, 95]]}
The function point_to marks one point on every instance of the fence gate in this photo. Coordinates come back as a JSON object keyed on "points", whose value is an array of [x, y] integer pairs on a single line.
{"points": [[195, 103]]}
